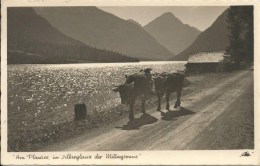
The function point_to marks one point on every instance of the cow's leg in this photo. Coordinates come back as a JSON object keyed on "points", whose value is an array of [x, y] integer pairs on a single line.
{"points": [[131, 111], [179, 98], [159, 96], [143, 104], [178, 102], [167, 101]]}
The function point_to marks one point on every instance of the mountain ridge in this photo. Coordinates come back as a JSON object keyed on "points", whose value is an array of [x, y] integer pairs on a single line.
{"points": [[101, 29], [134, 22], [212, 39], [32, 39]]}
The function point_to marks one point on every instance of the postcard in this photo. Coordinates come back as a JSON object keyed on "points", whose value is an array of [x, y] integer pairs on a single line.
{"points": [[130, 82]]}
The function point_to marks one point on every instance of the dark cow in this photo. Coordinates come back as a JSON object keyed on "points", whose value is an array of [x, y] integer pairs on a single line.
{"points": [[138, 84], [169, 83], [141, 84]]}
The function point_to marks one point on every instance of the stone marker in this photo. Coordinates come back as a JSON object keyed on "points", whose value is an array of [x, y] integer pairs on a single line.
{"points": [[80, 111]]}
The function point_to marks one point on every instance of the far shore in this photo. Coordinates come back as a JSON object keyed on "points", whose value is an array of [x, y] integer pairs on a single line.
{"points": [[95, 62]]}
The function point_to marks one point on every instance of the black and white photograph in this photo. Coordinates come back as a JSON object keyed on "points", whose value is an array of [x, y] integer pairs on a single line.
{"points": [[126, 79]]}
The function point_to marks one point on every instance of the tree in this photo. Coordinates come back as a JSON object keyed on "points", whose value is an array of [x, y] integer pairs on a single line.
{"points": [[240, 28]]}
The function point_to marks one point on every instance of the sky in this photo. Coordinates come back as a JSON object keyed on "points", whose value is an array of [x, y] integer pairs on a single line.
{"points": [[200, 17]]}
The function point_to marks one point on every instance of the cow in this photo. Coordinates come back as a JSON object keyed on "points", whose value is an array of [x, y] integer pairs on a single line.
{"points": [[138, 84], [168, 83]]}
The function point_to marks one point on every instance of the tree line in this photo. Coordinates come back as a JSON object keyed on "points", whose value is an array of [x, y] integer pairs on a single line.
{"points": [[39, 52], [240, 21]]}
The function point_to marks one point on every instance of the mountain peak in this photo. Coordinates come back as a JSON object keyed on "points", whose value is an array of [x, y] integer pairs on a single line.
{"points": [[166, 18], [167, 14], [171, 32]]}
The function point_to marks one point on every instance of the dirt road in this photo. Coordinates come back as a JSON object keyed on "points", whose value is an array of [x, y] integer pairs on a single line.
{"points": [[217, 116]]}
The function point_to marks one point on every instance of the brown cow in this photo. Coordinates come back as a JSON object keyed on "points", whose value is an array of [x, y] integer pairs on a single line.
{"points": [[169, 83], [138, 84]]}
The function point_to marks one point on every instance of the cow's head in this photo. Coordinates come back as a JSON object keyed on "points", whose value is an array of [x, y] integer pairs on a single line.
{"points": [[125, 92]]}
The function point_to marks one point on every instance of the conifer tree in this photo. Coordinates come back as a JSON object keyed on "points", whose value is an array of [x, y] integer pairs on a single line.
{"points": [[240, 27]]}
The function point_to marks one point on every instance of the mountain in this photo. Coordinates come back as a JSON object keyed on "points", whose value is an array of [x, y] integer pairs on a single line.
{"points": [[31, 39], [215, 38], [25, 25], [135, 22], [171, 32], [100, 29]]}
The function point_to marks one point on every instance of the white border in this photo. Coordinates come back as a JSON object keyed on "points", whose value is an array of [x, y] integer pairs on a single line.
{"points": [[188, 157]]}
